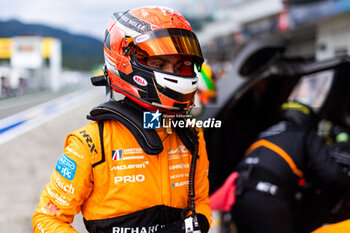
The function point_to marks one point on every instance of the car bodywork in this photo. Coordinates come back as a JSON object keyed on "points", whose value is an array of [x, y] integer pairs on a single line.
{"points": [[269, 79]]}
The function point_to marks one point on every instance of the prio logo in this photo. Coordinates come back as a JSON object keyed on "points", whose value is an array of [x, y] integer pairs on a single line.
{"points": [[151, 120], [132, 179]]}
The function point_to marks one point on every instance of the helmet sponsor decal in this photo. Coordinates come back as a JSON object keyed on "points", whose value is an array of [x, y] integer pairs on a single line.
{"points": [[136, 24], [140, 81], [66, 167], [111, 66], [188, 63], [141, 38]]}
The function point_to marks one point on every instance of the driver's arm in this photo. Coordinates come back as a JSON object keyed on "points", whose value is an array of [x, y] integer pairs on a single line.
{"points": [[69, 186]]}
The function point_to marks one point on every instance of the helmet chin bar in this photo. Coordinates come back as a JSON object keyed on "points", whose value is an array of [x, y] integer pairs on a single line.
{"points": [[173, 108]]}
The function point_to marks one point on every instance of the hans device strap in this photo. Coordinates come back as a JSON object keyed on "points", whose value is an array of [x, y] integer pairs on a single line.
{"points": [[130, 115], [131, 118]]}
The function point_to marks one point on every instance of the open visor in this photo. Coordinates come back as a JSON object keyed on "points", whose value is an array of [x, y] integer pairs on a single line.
{"points": [[167, 42]]}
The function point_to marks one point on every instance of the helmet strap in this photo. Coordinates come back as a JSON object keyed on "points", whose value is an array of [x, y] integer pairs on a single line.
{"points": [[109, 91]]}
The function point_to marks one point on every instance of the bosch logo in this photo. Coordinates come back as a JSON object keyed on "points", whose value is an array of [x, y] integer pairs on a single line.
{"points": [[140, 81], [67, 188]]}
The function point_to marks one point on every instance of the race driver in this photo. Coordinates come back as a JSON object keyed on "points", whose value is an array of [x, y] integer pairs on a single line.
{"points": [[121, 177], [283, 158]]}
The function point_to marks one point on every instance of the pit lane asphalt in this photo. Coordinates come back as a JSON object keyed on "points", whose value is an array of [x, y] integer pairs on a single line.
{"points": [[28, 160]]}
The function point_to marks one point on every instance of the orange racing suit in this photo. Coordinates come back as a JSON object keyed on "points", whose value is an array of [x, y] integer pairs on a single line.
{"points": [[125, 190], [340, 227]]}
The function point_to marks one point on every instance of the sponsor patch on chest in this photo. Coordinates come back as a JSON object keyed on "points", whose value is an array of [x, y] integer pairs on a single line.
{"points": [[127, 154]]}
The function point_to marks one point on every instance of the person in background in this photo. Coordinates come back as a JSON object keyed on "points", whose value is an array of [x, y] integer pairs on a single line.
{"points": [[206, 84], [282, 157], [206, 90], [125, 172]]}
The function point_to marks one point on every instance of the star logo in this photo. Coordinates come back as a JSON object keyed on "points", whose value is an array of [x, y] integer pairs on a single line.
{"points": [[155, 115], [151, 120]]}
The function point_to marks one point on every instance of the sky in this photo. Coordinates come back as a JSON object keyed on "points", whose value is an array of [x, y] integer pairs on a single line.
{"points": [[88, 17]]}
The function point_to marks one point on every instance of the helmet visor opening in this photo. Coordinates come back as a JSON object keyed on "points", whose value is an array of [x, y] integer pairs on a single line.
{"points": [[168, 42], [182, 65]]}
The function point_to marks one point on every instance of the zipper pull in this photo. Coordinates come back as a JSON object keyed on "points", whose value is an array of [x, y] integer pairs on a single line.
{"points": [[168, 128]]}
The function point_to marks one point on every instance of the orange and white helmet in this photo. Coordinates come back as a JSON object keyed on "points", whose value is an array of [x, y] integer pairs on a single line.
{"points": [[134, 35]]}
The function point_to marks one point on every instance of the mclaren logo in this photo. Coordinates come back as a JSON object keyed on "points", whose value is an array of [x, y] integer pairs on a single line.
{"points": [[130, 166]]}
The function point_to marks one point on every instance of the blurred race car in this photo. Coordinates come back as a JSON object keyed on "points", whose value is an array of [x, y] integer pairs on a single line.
{"points": [[270, 79]]}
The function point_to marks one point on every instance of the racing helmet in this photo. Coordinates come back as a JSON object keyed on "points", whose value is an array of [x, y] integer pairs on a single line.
{"points": [[298, 113], [137, 34]]}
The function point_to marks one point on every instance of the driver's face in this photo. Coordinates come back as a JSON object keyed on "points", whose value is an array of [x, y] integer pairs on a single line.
{"points": [[167, 63]]}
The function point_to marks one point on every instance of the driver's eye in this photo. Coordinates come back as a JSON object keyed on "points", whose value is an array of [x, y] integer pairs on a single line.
{"points": [[178, 68], [159, 65], [156, 64]]}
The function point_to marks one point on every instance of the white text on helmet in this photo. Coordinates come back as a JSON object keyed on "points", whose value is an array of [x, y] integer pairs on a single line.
{"points": [[140, 81]]}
